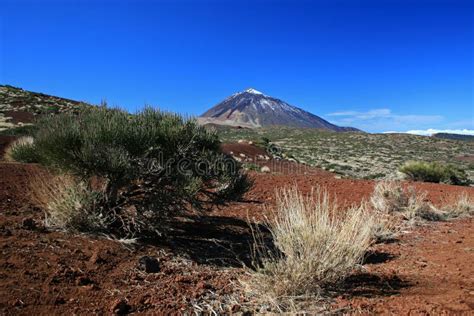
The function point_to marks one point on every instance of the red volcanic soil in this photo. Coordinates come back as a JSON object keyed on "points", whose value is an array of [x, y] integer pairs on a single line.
{"points": [[466, 158], [20, 116], [427, 271], [244, 148]]}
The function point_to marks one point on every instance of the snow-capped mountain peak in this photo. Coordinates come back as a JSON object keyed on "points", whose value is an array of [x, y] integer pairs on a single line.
{"points": [[253, 91], [252, 108]]}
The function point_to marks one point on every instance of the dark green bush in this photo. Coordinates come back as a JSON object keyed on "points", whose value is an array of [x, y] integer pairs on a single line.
{"points": [[154, 163], [434, 172], [19, 131]]}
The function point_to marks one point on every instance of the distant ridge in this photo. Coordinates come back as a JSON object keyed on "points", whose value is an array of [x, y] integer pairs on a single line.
{"points": [[469, 138], [251, 108]]}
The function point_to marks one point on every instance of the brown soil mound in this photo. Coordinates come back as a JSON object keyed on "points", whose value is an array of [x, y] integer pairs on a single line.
{"points": [[43, 272]]}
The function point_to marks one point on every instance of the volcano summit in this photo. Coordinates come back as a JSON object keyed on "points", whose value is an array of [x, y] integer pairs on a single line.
{"points": [[251, 108]]}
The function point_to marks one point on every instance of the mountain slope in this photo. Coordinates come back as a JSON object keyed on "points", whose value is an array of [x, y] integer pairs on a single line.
{"points": [[19, 107], [252, 108]]}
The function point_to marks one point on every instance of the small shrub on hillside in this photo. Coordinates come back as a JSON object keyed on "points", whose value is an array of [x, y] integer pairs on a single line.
{"points": [[389, 198], [154, 163], [22, 149], [434, 172], [313, 248]]}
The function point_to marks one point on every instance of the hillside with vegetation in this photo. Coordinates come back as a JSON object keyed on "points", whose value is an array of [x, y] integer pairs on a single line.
{"points": [[20, 107], [356, 154]]}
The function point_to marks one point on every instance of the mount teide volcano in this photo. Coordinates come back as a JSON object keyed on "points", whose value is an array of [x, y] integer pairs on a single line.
{"points": [[252, 108]]}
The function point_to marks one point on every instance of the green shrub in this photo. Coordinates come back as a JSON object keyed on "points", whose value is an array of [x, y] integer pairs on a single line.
{"points": [[153, 162], [24, 130], [434, 172]]}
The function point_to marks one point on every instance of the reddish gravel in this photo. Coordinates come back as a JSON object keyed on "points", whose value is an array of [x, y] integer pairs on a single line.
{"points": [[44, 273], [428, 271]]}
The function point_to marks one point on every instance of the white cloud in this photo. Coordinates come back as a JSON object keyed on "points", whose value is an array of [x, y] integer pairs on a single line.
{"points": [[431, 131], [363, 115], [383, 119]]}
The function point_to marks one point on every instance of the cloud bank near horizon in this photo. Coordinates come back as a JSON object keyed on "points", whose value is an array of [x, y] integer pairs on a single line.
{"points": [[431, 131], [383, 119]]}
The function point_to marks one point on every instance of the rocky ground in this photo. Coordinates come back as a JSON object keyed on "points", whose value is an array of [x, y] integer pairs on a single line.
{"points": [[427, 271]]}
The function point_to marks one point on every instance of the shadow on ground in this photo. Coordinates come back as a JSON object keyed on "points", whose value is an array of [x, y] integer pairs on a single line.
{"points": [[376, 257], [229, 242], [371, 285], [216, 240]]}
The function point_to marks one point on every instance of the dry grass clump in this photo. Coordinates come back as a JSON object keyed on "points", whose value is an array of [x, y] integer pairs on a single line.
{"points": [[68, 203], [386, 227], [389, 197], [20, 147], [313, 246], [463, 207], [418, 209]]}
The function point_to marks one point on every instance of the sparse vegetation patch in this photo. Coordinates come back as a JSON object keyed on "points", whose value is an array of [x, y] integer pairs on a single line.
{"points": [[355, 154]]}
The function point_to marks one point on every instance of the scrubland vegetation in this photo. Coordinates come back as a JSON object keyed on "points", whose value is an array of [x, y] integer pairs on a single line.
{"points": [[355, 154]]}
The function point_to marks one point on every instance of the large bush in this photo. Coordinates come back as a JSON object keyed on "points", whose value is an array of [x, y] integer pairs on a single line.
{"points": [[152, 164], [434, 172]]}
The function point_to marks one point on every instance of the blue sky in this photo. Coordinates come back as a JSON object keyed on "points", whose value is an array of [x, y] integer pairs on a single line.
{"points": [[376, 65]]}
